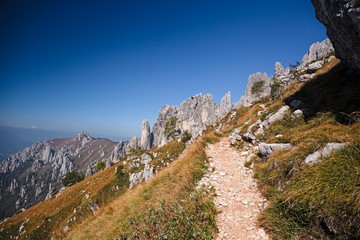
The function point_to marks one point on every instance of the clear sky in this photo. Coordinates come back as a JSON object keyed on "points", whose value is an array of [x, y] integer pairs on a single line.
{"points": [[104, 66]]}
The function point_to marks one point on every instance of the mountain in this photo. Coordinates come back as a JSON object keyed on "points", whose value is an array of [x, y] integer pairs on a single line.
{"points": [[13, 139], [34, 173], [297, 133]]}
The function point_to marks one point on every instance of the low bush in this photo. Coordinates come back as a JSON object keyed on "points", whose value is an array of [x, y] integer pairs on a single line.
{"points": [[100, 166], [71, 178]]}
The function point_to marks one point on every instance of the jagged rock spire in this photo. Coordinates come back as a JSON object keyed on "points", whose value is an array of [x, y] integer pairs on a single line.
{"points": [[145, 140]]}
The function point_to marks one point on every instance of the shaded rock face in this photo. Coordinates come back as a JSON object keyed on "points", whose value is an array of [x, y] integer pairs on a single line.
{"points": [[34, 173], [145, 140], [259, 86], [342, 21]]}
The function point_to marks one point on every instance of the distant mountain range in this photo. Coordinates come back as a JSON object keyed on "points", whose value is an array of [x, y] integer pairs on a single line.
{"points": [[34, 173], [13, 139]]}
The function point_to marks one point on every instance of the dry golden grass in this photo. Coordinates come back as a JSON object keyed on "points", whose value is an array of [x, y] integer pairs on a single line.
{"points": [[167, 185], [50, 216]]}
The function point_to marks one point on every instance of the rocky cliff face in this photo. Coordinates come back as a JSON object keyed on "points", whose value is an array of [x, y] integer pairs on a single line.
{"points": [[35, 173], [342, 21], [259, 84], [193, 115]]}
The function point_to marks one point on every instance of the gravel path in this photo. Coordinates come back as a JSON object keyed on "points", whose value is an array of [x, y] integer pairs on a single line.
{"points": [[238, 198]]}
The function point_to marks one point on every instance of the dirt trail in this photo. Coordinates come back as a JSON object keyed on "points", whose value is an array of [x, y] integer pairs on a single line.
{"points": [[238, 198]]}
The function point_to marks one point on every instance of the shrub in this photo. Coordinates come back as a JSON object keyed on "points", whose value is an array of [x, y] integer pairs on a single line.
{"points": [[71, 178], [276, 89], [100, 166], [170, 127], [186, 136], [257, 87], [122, 177]]}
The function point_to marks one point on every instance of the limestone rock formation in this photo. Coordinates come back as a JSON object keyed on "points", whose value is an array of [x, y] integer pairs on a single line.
{"points": [[145, 140], [342, 21], [259, 86], [317, 51], [166, 112], [225, 105], [193, 115], [119, 151]]}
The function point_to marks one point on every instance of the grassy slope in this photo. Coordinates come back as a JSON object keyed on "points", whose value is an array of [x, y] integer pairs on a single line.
{"points": [[320, 201], [170, 187]]}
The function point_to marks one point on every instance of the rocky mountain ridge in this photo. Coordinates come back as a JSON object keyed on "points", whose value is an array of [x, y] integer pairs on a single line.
{"points": [[260, 85], [35, 173]]}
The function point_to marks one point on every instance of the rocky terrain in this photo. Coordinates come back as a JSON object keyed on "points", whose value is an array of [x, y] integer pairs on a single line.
{"points": [[260, 85], [35, 173]]}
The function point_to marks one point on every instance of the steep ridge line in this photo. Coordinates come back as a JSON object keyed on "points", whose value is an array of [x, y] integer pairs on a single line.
{"points": [[237, 196]]}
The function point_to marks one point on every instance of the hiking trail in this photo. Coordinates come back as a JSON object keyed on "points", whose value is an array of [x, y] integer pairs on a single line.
{"points": [[237, 197]]}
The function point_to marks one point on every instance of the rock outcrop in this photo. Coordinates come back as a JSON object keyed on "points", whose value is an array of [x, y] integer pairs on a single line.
{"points": [[145, 140], [259, 86], [166, 112], [342, 21], [317, 51], [265, 149], [323, 153], [193, 115]]}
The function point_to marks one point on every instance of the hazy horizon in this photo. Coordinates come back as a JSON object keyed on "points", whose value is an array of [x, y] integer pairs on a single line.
{"points": [[103, 67]]}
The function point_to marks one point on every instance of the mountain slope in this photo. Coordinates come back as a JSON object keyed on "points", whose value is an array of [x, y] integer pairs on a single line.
{"points": [[35, 173]]}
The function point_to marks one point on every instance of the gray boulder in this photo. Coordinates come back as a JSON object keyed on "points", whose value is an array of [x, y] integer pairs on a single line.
{"points": [[324, 152], [277, 116], [342, 21], [265, 149], [297, 114]]}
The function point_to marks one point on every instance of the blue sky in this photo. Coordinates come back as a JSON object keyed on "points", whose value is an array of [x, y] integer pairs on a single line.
{"points": [[103, 66]]}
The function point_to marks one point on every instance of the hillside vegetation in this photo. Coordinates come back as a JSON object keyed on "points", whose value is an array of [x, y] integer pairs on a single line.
{"points": [[319, 201], [102, 206]]}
